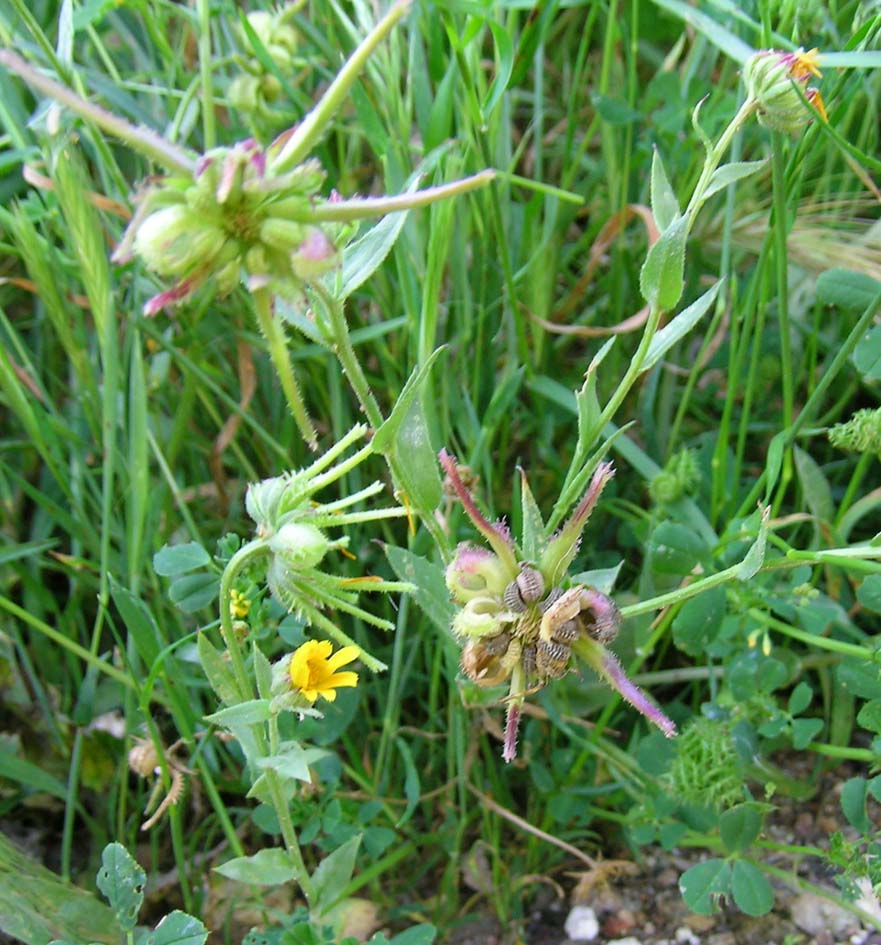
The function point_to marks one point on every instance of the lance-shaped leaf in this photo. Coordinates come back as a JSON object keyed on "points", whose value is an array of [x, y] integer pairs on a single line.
{"points": [[563, 547], [497, 536], [606, 664]]}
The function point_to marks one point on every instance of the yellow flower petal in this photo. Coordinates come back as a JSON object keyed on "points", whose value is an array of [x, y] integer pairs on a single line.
{"points": [[347, 654], [339, 680], [313, 665]]}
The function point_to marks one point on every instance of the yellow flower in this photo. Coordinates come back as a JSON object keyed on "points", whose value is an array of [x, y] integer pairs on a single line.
{"points": [[314, 673], [239, 605], [802, 64]]}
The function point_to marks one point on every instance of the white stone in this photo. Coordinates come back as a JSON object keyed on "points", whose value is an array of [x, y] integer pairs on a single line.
{"points": [[684, 936], [581, 924], [630, 940]]}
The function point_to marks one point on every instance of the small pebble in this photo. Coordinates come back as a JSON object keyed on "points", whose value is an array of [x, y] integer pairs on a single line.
{"points": [[581, 924], [630, 940], [684, 936]]}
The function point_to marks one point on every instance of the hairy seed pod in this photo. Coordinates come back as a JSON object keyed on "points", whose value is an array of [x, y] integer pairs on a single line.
{"points": [[512, 598], [600, 616], [552, 658], [497, 645], [531, 585], [554, 595], [143, 759], [528, 661], [567, 632]]}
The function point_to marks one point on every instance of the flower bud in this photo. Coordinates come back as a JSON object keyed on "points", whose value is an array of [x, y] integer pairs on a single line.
{"points": [[480, 617], [172, 240], [315, 256], [282, 234], [300, 545], [262, 501], [475, 572], [770, 77]]}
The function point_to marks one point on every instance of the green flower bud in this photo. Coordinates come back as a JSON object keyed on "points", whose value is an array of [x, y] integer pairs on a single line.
{"points": [[771, 78], [280, 234], [245, 93], [480, 617], [475, 572], [861, 434], [301, 545], [315, 256], [262, 501], [172, 240]]}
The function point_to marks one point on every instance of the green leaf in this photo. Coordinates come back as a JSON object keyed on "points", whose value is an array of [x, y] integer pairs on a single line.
{"points": [[29, 775], [601, 579], [614, 111], [869, 593], [869, 716], [739, 827], [250, 712], [799, 699], [818, 495], [431, 592], [675, 549], [847, 289], [699, 621], [665, 206], [423, 934], [217, 670], [264, 868], [37, 907], [718, 35], [755, 557], [676, 329], [750, 889], [875, 787], [730, 174], [859, 677], [416, 465], [411, 781], [804, 731], [362, 258], [262, 672], [853, 803], [703, 885], [192, 592], [774, 463], [122, 882], [533, 538], [293, 761], [178, 928], [139, 622], [661, 278], [385, 436], [333, 875], [172, 560], [505, 64]]}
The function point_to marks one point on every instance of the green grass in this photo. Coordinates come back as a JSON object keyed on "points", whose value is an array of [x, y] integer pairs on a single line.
{"points": [[123, 433]]}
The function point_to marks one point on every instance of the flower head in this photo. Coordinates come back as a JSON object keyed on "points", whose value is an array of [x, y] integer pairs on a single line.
{"points": [[313, 669], [527, 622], [778, 81]]}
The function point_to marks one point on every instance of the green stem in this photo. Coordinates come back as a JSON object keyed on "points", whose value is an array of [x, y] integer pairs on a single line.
{"points": [[345, 352], [312, 126], [813, 403], [715, 156], [208, 126], [345, 211], [283, 813], [811, 639], [273, 332], [844, 751], [140, 139], [243, 556]]}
